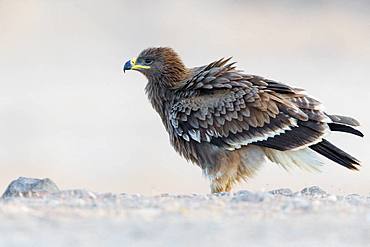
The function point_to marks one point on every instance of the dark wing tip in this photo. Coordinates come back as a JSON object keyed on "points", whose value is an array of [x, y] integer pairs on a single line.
{"points": [[345, 128], [337, 155]]}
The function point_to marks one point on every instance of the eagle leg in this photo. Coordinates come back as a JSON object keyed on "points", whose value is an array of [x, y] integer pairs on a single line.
{"points": [[219, 185]]}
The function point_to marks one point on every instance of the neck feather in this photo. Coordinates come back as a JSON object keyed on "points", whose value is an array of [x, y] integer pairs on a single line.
{"points": [[160, 98]]}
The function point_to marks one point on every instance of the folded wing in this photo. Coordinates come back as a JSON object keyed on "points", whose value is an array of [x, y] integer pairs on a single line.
{"points": [[225, 107]]}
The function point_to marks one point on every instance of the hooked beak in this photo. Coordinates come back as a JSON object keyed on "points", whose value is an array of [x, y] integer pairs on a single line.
{"points": [[131, 65], [127, 66]]}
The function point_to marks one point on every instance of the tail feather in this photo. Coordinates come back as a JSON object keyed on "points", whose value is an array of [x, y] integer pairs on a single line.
{"points": [[335, 154], [344, 120], [345, 128]]}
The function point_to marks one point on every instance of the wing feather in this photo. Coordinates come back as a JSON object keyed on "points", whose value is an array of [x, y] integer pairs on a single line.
{"points": [[220, 105]]}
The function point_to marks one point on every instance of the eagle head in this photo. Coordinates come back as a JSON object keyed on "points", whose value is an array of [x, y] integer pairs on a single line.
{"points": [[159, 64]]}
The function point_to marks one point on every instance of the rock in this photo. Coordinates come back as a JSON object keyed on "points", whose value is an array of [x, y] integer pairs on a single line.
{"points": [[222, 194], [30, 187], [354, 199], [248, 196], [78, 194], [314, 191], [282, 192]]}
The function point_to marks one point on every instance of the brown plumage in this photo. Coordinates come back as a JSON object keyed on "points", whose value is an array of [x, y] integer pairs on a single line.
{"points": [[229, 123]]}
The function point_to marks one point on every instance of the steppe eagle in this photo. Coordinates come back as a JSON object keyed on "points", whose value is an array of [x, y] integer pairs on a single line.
{"points": [[229, 123]]}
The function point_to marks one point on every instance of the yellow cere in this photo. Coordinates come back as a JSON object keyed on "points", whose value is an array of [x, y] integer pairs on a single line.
{"points": [[138, 66]]}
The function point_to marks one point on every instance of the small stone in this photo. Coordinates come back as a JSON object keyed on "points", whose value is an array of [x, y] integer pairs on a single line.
{"points": [[354, 199], [247, 196], [164, 195], [30, 187], [223, 194], [77, 193], [283, 192], [314, 191]]}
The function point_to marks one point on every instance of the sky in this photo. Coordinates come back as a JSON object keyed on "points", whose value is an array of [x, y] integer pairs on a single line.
{"points": [[67, 111]]}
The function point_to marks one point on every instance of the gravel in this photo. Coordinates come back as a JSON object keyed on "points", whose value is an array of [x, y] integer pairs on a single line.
{"points": [[311, 217]]}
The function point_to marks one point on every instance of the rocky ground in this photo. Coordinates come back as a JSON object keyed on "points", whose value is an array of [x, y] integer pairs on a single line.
{"points": [[36, 213]]}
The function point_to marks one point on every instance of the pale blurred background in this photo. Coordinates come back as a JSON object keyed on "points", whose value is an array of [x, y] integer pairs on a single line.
{"points": [[67, 111]]}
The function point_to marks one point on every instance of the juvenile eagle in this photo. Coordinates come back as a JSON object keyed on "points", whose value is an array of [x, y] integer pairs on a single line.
{"points": [[229, 123]]}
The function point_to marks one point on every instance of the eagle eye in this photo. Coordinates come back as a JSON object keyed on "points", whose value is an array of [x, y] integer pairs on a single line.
{"points": [[148, 61]]}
